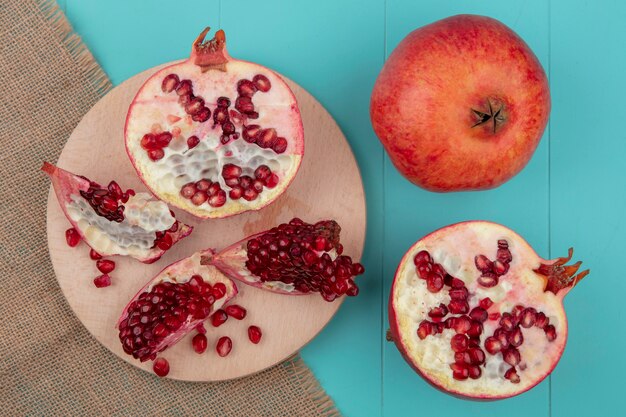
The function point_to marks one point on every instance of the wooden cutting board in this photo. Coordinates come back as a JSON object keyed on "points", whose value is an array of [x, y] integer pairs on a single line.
{"points": [[328, 186]]}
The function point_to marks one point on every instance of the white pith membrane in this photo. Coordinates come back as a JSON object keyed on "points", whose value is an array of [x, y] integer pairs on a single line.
{"points": [[133, 236], [454, 248], [179, 273], [277, 109]]}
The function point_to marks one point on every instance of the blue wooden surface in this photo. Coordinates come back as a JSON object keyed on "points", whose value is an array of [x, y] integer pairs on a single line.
{"points": [[571, 194]]}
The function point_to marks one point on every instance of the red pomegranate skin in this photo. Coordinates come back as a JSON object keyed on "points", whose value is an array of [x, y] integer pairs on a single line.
{"points": [[423, 102]]}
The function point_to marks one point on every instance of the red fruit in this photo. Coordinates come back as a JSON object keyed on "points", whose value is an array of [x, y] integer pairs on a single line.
{"points": [[254, 334], [235, 311], [105, 266], [102, 281], [224, 346], [171, 305], [72, 237], [259, 101], [522, 315], [161, 367], [199, 343], [218, 318], [88, 207], [467, 116], [292, 258]]}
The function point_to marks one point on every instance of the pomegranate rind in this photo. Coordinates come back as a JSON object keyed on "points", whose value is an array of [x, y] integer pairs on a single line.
{"points": [[181, 272], [66, 184], [151, 105], [476, 236]]}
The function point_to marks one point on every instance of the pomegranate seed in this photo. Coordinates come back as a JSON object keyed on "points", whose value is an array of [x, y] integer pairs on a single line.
{"points": [[459, 372], [280, 146], [475, 329], [218, 200], [194, 106], [72, 237], [511, 356], [156, 154], [224, 346], [203, 185], [422, 256], [192, 142], [541, 320], [201, 329], [478, 314], [250, 133], [527, 319], [102, 281], [250, 194], [459, 343], [231, 171], [500, 268], [494, 316], [438, 269], [184, 87], [244, 104], [163, 139], [246, 88], [257, 185], [223, 102], [148, 142], [424, 329], [462, 358], [161, 367], [477, 356], [488, 280], [199, 198], [165, 242], [504, 255], [458, 307], [115, 190], [218, 318], [461, 324], [512, 375], [358, 269], [516, 338], [492, 345], [474, 372], [236, 311], [483, 264], [262, 172], [423, 269], [188, 190], [457, 283], [262, 83], [199, 343], [486, 303], [94, 255], [202, 115], [219, 290], [272, 181], [550, 331], [507, 322], [236, 192], [517, 312], [170, 82], [266, 138], [254, 334], [440, 311], [105, 266], [434, 282], [214, 189], [458, 293]]}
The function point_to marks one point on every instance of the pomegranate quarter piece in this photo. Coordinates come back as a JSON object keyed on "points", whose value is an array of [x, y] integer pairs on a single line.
{"points": [[171, 305], [477, 313], [461, 104], [115, 222], [213, 135], [293, 258]]}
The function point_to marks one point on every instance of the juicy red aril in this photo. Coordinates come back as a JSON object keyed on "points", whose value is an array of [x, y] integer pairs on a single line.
{"points": [[422, 256], [231, 171], [161, 367], [459, 372], [224, 346], [550, 331], [488, 280], [218, 318], [492, 345], [458, 307], [156, 154], [72, 237], [474, 372], [507, 322], [459, 343], [262, 173], [254, 334], [486, 303], [199, 343], [219, 290], [500, 268], [541, 320], [528, 317], [434, 282], [440, 311], [94, 255], [262, 83], [105, 266], [511, 356], [423, 269], [170, 82], [424, 329], [246, 88], [461, 324], [192, 142], [512, 375], [478, 314], [272, 181], [477, 356], [280, 146], [236, 192], [516, 338], [102, 281], [483, 264], [184, 88], [235, 311], [266, 138], [250, 133], [161, 311], [218, 200], [107, 202]]}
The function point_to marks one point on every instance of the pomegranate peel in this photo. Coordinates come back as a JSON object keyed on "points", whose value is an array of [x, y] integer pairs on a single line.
{"points": [[515, 346], [154, 228], [175, 302], [197, 116]]}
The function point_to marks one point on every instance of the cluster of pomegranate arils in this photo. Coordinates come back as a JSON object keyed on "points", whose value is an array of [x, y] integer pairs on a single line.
{"points": [[154, 143], [492, 271], [290, 253], [107, 202], [105, 266], [203, 191], [221, 117], [193, 105], [508, 337], [244, 186]]}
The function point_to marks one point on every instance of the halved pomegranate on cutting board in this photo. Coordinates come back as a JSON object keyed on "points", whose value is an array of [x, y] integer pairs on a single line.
{"points": [[213, 135], [477, 313]]}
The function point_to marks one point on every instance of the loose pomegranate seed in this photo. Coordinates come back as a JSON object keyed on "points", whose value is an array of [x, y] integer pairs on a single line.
{"points": [[550, 331], [483, 264], [224, 346], [170, 82], [254, 334], [102, 281], [422, 256], [511, 356], [199, 343], [236, 311], [492, 345], [486, 303], [434, 282], [424, 329], [105, 266], [192, 142], [262, 83], [478, 314], [94, 255], [512, 375], [72, 237], [218, 318], [161, 367], [459, 343]]}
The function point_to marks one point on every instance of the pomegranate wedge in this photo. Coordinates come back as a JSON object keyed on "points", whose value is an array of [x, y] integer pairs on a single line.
{"points": [[213, 135], [172, 304], [113, 222], [294, 258], [477, 313]]}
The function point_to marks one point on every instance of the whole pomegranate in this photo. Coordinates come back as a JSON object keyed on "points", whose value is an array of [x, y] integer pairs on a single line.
{"points": [[461, 104], [293, 258], [477, 313], [114, 222], [213, 135]]}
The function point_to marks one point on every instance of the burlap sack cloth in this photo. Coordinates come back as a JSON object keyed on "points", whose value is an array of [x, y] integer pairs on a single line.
{"points": [[49, 364]]}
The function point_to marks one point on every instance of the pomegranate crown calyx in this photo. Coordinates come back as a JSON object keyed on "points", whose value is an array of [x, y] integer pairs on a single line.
{"points": [[211, 53], [559, 276]]}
